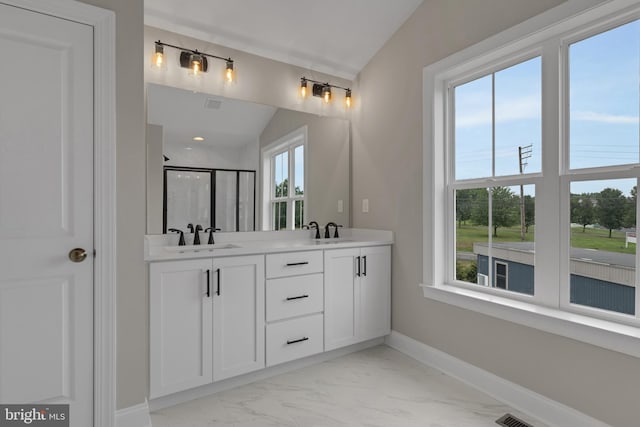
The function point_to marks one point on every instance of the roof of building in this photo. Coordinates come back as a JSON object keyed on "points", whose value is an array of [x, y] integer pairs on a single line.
{"points": [[579, 254]]}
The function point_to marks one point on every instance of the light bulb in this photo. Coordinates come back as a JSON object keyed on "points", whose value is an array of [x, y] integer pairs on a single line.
{"points": [[158, 56], [229, 71], [326, 94], [303, 87], [196, 64], [158, 59], [347, 98]]}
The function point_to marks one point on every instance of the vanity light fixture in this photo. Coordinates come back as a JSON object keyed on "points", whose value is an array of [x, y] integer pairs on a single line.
{"points": [[158, 56], [323, 90], [194, 60], [229, 73], [303, 87]]}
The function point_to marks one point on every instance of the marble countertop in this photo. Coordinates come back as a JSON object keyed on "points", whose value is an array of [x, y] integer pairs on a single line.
{"points": [[164, 247]]}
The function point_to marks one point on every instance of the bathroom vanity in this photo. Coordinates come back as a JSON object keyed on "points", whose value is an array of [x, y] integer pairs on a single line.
{"points": [[255, 300]]}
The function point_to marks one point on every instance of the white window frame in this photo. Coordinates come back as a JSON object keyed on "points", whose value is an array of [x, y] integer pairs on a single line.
{"points": [[287, 143], [548, 310]]}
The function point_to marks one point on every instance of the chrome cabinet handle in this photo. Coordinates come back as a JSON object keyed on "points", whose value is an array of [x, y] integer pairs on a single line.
{"points": [[77, 255]]}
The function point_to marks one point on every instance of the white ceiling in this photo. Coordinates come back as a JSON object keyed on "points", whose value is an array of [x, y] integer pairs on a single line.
{"points": [[337, 37], [184, 115]]}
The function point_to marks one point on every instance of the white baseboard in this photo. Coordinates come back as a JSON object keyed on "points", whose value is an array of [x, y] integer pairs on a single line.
{"points": [[526, 401], [134, 416]]}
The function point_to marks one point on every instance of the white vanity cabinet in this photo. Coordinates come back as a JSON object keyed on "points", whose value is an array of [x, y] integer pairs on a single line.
{"points": [[180, 314], [221, 312], [206, 321], [357, 286], [238, 315], [294, 305]]}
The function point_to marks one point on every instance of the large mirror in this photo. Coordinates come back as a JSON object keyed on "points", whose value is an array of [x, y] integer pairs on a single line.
{"points": [[242, 166]]}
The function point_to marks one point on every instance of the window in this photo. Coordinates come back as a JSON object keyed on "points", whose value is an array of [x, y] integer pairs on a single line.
{"points": [[284, 183], [501, 275], [496, 138], [533, 167]]}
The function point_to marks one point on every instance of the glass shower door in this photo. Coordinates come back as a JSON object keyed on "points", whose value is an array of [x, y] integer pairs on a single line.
{"points": [[187, 198]]}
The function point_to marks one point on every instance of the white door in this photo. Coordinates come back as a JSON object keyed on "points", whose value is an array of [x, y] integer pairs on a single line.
{"points": [[375, 292], [238, 315], [46, 210], [340, 297], [180, 325]]}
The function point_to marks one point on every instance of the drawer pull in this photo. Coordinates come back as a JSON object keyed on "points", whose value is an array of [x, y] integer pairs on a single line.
{"points": [[293, 264], [298, 340], [298, 297]]}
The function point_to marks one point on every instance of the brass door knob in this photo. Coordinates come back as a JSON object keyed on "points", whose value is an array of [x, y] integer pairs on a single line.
{"points": [[77, 255]]}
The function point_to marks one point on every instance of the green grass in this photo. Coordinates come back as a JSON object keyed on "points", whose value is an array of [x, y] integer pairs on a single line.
{"points": [[591, 238]]}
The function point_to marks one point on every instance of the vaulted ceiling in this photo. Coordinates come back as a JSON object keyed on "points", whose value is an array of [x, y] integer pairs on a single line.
{"points": [[337, 37]]}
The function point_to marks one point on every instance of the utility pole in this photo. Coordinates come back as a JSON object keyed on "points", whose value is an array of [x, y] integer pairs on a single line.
{"points": [[524, 153]]}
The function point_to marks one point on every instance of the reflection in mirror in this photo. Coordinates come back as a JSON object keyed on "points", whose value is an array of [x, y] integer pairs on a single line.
{"points": [[191, 195], [217, 140]]}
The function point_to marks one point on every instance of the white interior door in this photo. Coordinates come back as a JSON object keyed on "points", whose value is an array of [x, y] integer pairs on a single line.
{"points": [[46, 210]]}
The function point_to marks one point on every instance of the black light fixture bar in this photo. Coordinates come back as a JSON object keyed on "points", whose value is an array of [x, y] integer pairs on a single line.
{"points": [[324, 84], [323, 90], [186, 52]]}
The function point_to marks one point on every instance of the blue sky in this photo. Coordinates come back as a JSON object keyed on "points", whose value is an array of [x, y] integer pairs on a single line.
{"points": [[604, 111]]}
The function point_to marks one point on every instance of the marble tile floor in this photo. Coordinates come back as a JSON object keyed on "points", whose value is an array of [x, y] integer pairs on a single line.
{"points": [[375, 387]]}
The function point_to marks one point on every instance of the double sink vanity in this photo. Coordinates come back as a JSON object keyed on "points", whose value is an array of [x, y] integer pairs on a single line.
{"points": [[259, 299]]}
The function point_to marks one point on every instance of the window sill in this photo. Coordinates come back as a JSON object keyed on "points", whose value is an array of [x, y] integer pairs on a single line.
{"points": [[602, 333]]}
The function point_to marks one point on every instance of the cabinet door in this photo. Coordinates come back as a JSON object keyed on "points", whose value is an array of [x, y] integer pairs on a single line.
{"points": [[238, 315], [340, 298], [180, 326], [374, 314]]}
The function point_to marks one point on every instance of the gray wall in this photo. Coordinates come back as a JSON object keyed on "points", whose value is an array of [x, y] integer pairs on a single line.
{"points": [[131, 300], [328, 161], [387, 169]]}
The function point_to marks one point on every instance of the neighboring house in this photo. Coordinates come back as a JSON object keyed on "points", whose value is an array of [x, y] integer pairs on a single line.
{"points": [[599, 279]]}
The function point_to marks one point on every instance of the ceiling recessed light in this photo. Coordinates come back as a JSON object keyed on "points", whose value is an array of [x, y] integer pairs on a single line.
{"points": [[187, 148], [198, 138]]}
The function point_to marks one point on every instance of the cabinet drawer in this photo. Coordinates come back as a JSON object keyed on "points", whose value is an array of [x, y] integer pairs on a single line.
{"points": [[294, 339], [294, 263], [294, 296]]}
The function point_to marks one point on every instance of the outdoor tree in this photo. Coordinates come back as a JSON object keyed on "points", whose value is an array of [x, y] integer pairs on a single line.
{"points": [[630, 210], [280, 208], [505, 211], [583, 211], [529, 212], [465, 201], [611, 208]]}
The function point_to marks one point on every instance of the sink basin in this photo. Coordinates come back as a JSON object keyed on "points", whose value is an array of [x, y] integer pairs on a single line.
{"points": [[200, 248]]}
